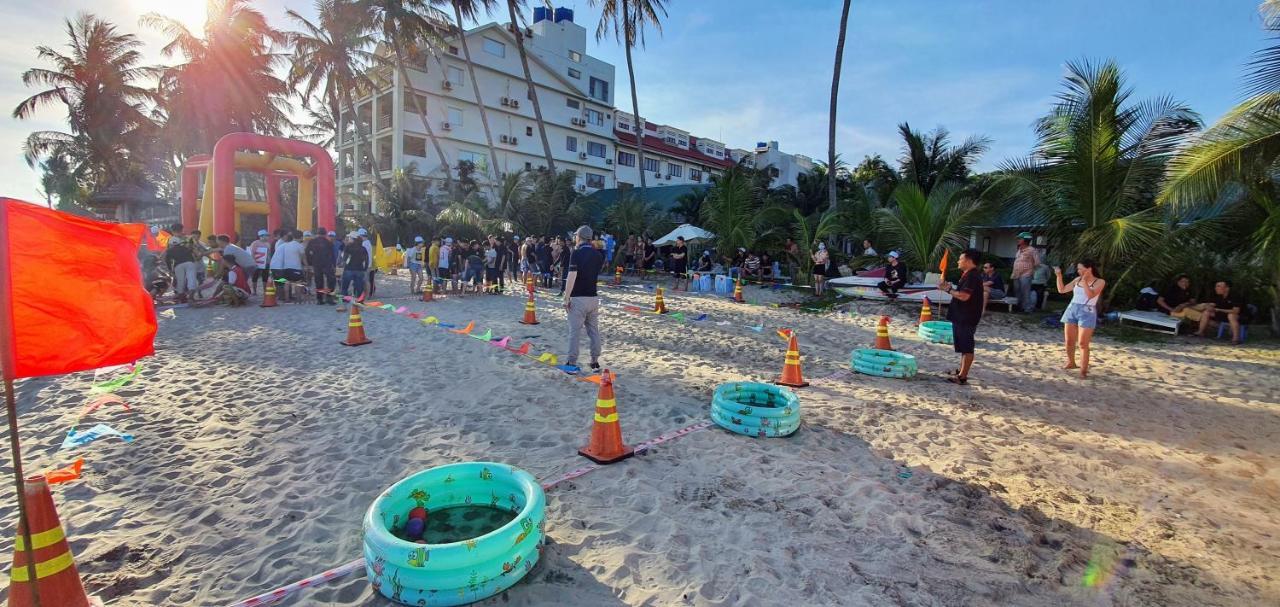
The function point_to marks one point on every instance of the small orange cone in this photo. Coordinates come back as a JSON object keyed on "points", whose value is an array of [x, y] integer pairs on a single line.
{"points": [[57, 581], [737, 291], [269, 296], [606, 445], [791, 375], [355, 329], [659, 306], [926, 312], [882, 335], [617, 276], [530, 312], [427, 290]]}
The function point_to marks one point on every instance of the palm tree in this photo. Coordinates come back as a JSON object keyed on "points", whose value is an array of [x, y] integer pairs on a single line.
{"points": [[512, 194], [1242, 148], [626, 19], [923, 225], [471, 9], [227, 82], [835, 95], [929, 159], [689, 205], [1096, 169], [96, 82], [514, 8], [321, 127], [630, 215], [732, 209]]}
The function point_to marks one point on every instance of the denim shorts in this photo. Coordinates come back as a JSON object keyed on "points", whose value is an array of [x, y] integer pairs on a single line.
{"points": [[1082, 315]]}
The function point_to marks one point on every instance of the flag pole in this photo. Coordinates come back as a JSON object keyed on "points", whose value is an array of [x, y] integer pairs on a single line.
{"points": [[7, 368]]}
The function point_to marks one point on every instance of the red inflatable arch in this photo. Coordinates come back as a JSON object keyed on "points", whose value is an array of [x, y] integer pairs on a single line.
{"points": [[224, 172]]}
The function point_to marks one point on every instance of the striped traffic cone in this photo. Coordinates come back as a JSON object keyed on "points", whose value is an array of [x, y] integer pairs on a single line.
{"points": [[427, 289], [530, 312], [605, 446], [355, 329], [791, 375], [659, 307], [926, 311], [617, 276], [269, 296], [882, 335], [57, 582], [737, 291], [529, 284]]}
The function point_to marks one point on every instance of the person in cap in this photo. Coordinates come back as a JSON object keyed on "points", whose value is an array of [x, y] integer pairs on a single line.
{"points": [[821, 265], [416, 259], [895, 276], [1024, 268], [323, 264], [446, 251], [259, 249], [580, 298], [367, 243], [355, 266]]}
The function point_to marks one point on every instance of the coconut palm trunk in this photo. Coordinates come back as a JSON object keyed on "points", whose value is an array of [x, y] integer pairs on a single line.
{"points": [[373, 147], [533, 91], [630, 41], [835, 96], [484, 115], [422, 115]]}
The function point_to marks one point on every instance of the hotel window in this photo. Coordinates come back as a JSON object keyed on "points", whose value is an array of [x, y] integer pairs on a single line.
{"points": [[495, 48], [595, 181], [478, 160], [652, 165], [575, 74], [571, 144], [415, 146], [575, 56], [528, 131], [626, 159], [573, 103], [599, 89], [594, 117], [455, 117], [675, 170], [455, 76], [597, 149], [695, 174]]}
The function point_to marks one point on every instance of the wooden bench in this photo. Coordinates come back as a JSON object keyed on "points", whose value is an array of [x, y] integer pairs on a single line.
{"points": [[1162, 323]]}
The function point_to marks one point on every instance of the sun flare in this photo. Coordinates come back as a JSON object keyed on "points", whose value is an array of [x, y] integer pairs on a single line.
{"points": [[190, 13]]}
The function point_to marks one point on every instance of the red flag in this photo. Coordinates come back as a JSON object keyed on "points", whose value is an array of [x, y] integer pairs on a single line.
{"points": [[152, 244], [71, 293], [942, 265]]}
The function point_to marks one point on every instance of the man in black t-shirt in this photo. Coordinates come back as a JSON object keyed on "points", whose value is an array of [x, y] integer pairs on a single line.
{"points": [[1224, 307], [964, 311], [580, 297], [680, 264]]}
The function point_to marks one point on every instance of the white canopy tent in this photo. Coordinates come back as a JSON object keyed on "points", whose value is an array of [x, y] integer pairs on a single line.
{"points": [[691, 233]]}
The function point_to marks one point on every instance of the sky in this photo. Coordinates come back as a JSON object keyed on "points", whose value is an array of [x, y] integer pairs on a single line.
{"points": [[743, 71]]}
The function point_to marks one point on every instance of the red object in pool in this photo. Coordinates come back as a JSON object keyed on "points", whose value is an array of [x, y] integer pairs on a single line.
{"points": [[419, 513]]}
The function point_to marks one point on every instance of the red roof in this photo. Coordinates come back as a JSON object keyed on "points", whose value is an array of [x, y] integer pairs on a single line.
{"points": [[658, 145]]}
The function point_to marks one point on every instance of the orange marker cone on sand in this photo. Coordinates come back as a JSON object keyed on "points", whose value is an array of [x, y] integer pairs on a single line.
{"points": [[926, 312], [659, 307], [882, 334], [530, 312], [791, 375], [355, 329], [269, 296], [737, 290], [57, 581], [606, 445], [617, 276], [427, 290]]}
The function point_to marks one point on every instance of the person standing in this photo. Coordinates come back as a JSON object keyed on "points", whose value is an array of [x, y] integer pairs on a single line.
{"points": [[491, 261], [1081, 316], [355, 266], [580, 298], [1024, 267], [259, 249], [319, 253], [821, 261], [964, 312], [433, 258], [544, 262], [416, 260], [680, 264], [650, 256], [446, 251], [287, 263]]}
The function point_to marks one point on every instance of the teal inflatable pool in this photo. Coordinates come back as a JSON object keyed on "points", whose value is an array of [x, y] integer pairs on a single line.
{"points": [[482, 530], [755, 409], [883, 363], [935, 331]]}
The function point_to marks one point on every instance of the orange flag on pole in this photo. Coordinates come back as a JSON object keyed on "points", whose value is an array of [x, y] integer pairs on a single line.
{"points": [[942, 265], [71, 292]]}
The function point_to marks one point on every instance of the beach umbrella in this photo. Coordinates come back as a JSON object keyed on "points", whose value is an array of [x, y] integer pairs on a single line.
{"points": [[691, 233]]}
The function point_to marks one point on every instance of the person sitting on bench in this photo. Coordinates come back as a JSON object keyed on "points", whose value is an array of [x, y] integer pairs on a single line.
{"points": [[993, 285], [1223, 308], [895, 276], [1176, 301]]}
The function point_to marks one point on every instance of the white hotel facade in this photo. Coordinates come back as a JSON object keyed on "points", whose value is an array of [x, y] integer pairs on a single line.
{"points": [[576, 91]]}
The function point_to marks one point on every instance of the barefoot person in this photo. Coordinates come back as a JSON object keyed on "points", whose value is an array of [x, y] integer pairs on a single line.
{"points": [[580, 297], [821, 259], [1081, 317], [965, 311]]}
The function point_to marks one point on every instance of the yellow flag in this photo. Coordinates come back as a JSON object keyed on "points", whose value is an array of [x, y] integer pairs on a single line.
{"points": [[379, 256]]}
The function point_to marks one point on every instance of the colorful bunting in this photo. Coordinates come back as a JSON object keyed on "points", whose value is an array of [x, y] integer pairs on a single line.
{"points": [[77, 439], [115, 384], [67, 474], [108, 399]]}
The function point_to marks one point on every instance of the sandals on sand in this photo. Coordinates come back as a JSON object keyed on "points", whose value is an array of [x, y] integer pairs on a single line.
{"points": [[956, 379]]}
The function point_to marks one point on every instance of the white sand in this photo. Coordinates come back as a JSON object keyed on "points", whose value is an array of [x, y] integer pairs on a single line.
{"points": [[261, 442]]}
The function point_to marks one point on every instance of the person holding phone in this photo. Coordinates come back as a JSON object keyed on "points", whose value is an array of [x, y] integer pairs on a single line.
{"points": [[1081, 316]]}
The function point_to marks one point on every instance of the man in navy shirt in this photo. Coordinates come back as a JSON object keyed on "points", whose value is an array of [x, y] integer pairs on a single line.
{"points": [[580, 297], [964, 311]]}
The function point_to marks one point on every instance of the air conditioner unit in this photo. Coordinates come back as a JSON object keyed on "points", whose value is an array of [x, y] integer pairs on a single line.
{"points": [[506, 101], [608, 161], [668, 178], [515, 103], [582, 155], [582, 188], [514, 141], [448, 86], [446, 126], [504, 138]]}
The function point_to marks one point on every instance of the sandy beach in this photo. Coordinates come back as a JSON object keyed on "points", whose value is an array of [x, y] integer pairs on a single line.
{"points": [[260, 442]]}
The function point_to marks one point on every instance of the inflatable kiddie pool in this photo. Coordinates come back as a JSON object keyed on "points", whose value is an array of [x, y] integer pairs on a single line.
{"points": [[935, 331], [755, 409], [482, 530], [883, 363]]}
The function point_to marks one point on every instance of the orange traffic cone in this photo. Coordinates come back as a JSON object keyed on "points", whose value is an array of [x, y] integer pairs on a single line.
{"points": [[530, 312], [57, 582], [269, 296], [427, 290], [606, 445], [529, 284], [791, 375], [926, 312], [617, 276], [737, 291], [882, 335], [658, 305], [355, 329]]}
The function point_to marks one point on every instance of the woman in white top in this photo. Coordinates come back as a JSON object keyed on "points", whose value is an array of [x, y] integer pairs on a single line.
{"points": [[821, 261], [1081, 316]]}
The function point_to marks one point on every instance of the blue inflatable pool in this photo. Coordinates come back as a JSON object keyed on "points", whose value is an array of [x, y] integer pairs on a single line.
{"points": [[755, 409], [883, 363]]}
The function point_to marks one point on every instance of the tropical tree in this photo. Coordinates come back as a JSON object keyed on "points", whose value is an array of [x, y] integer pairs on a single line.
{"points": [[470, 9], [97, 82], [514, 9], [402, 213], [320, 126], [835, 96], [552, 206], [1097, 166], [631, 215], [626, 21], [929, 160], [876, 174], [227, 82], [922, 225], [689, 205], [732, 209], [514, 190]]}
